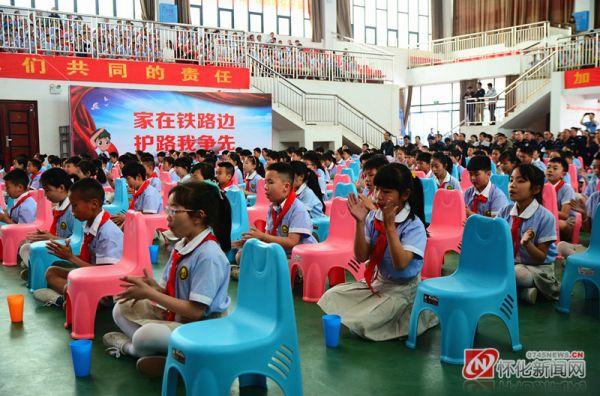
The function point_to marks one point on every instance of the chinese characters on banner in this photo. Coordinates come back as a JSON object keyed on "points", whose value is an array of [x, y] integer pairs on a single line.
{"points": [[104, 120], [121, 71], [582, 78]]}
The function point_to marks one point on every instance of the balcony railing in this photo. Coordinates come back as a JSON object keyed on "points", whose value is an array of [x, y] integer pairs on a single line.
{"points": [[68, 34]]}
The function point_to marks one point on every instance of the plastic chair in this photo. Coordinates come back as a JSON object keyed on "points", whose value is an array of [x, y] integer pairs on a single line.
{"points": [[474, 290], [429, 190], [320, 227], [350, 172], [465, 180], [250, 200], [167, 186], [40, 257], [573, 177], [419, 174], [454, 172], [154, 222], [88, 285], [258, 340], [445, 230], [115, 172], [14, 234], [165, 177], [584, 267], [549, 201], [355, 166], [2, 202], [260, 208], [330, 258], [577, 228], [120, 202], [342, 190], [239, 214], [501, 182]]}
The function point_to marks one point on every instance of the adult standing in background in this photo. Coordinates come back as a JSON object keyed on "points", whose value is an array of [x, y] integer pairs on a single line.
{"points": [[491, 93], [387, 146], [478, 95]]}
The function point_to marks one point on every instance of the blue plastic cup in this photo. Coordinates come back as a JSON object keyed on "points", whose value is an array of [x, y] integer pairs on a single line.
{"points": [[153, 253], [81, 353], [331, 329]]}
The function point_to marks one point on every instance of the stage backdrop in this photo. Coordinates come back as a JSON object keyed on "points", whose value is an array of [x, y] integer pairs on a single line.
{"points": [[125, 120]]}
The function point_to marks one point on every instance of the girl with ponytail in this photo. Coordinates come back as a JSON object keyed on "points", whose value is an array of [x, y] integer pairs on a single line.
{"points": [[307, 189], [392, 239]]}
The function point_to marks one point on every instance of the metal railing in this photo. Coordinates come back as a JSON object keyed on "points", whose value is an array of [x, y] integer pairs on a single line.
{"points": [[448, 50], [314, 108], [68, 34], [579, 51]]}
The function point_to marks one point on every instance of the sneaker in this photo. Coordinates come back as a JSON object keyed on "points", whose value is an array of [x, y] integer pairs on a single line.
{"points": [[24, 274], [528, 295], [48, 297], [115, 343], [151, 366]]}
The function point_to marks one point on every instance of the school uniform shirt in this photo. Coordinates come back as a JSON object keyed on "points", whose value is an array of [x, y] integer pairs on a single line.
{"points": [[592, 186], [156, 183], [185, 178], [543, 224], [564, 196], [34, 183], [150, 201], [295, 221], [252, 182], [539, 164], [592, 204], [310, 201], [239, 176], [109, 166], [496, 200], [449, 182], [64, 224], [25, 212], [107, 245], [202, 274], [413, 238], [174, 177]]}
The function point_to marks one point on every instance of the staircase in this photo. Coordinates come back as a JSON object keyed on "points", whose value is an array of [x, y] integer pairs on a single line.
{"points": [[306, 109]]}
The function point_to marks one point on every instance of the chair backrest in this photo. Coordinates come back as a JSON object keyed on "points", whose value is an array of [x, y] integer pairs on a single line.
{"points": [[167, 186], [349, 172], [595, 237], [261, 197], [454, 172], [448, 209], [429, 189], [501, 182], [341, 179], [487, 251], [341, 223], [465, 180], [2, 202], [77, 236], [573, 177], [493, 167], [44, 209], [239, 213], [136, 253], [342, 190], [264, 288], [165, 177], [550, 202], [355, 165], [115, 172], [419, 174]]}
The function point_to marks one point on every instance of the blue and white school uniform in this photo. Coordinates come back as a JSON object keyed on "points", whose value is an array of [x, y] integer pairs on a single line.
{"points": [[156, 183], [34, 183], [185, 178], [543, 224], [496, 200], [385, 315], [295, 221], [539, 164], [24, 213], [174, 177], [592, 186], [239, 175], [310, 201], [565, 195], [66, 222], [150, 201], [449, 182], [252, 182], [109, 166], [592, 204], [107, 245]]}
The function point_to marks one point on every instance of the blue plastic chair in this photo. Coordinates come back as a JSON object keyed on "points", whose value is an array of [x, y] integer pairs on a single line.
{"points": [[350, 172], [320, 227], [484, 283], [584, 267], [501, 182], [256, 341], [120, 202], [40, 259], [455, 172], [494, 170], [239, 217], [342, 190], [429, 189], [355, 166], [251, 199]]}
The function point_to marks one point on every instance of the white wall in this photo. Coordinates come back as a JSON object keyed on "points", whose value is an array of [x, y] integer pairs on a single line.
{"points": [[567, 106], [53, 109]]}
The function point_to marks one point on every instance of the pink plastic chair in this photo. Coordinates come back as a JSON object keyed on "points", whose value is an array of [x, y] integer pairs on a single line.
{"points": [[88, 285], [165, 177], [155, 222], [339, 179], [166, 189], [420, 174], [108, 189], [260, 208], [14, 234], [445, 231], [546, 160], [465, 180], [573, 177], [330, 258], [115, 172], [550, 202], [577, 228], [2, 202]]}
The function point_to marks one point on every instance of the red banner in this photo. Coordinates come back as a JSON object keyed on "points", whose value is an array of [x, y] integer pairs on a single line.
{"points": [[582, 78], [121, 71]]}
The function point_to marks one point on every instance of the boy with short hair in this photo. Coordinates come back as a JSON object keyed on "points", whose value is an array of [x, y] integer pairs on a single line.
{"points": [[168, 165], [508, 162], [183, 166], [102, 244], [25, 207], [151, 171], [71, 165], [34, 170], [424, 163], [555, 173], [224, 175], [483, 197]]}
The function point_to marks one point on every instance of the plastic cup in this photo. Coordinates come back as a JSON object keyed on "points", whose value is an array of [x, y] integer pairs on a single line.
{"points": [[153, 253], [15, 307], [331, 330], [81, 353], [261, 225]]}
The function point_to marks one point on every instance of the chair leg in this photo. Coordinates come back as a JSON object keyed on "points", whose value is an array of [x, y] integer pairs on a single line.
{"points": [[512, 325], [170, 379], [411, 341], [314, 284], [205, 382], [254, 380], [591, 290], [83, 315], [457, 335], [566, 287]]}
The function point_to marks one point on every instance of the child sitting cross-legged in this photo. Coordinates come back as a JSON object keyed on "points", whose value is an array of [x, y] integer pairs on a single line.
{"points": [[24, 208], [193, 286], [102, 241]]}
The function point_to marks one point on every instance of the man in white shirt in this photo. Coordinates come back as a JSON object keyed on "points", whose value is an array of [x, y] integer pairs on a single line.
{"points": [[491, 93]]}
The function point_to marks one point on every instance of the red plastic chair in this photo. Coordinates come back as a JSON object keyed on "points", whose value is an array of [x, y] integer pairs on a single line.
{"points": [[260, 208], [465, 180], [88, 285], [330, 258], [420, 174], [155, 222], [550, 202], [573, 177], [14, 234], [445, 231]]}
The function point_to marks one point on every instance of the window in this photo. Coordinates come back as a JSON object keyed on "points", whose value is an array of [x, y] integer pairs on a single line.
{"points": [[225, 18], [256, 22], [86, 6], [44, 4], [105, 8], [66, 5], [125, 8]]}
